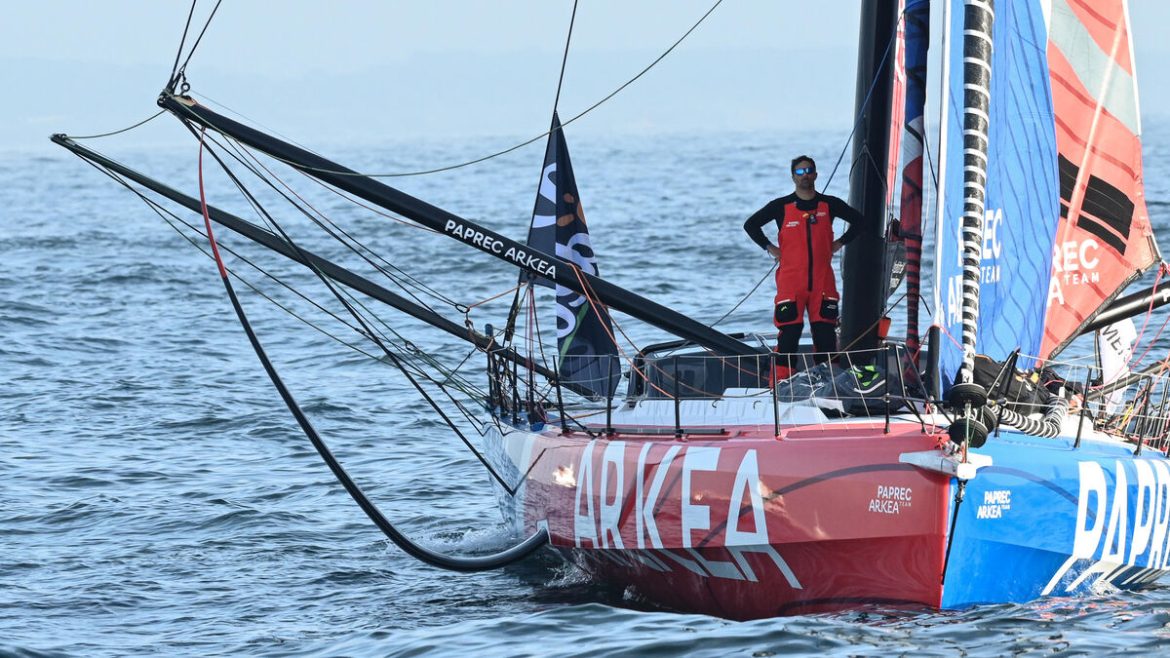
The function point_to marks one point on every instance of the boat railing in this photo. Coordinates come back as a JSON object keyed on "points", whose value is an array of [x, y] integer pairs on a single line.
{"points": [[1131, 404], [1069, 399], [867, 383]]}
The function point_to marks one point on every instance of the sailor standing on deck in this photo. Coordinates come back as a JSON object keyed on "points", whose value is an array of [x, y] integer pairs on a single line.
{"points": [[804, 252]]}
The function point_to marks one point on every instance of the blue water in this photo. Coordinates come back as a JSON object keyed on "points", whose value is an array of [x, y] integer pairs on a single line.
{"points": [[157, 497]]}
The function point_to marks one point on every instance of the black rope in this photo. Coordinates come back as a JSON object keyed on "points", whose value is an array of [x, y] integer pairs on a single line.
{"points": [[565, 57], [179, 52], [542, 135], [115, 132], [406, 348], [357, 316], [454, 563], [357, 247], [451, 376], [195, 45]]}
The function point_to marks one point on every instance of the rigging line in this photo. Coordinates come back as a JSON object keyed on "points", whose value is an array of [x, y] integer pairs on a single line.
{"points": [[162, 212], [116, 132], [393, 357], [234, 145], [536, 324], [406, 348], [1146, 323], [525, 276], [182, 42], [263, 215], [408, 353], [534, 139], [565, 57], [266, 128], [480, 563], [747, 296], [864, 105], [590, 296], [199, 38], [404, 345]]}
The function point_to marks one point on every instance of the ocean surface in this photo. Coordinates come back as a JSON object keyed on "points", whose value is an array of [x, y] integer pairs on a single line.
{"points": [[156, 497]]}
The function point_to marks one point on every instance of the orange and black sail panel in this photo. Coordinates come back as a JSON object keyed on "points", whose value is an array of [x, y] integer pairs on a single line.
{"points": [[1104, 240]]}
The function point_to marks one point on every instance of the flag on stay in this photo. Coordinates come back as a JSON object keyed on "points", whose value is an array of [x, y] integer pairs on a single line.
{"points": [[588, 355]]}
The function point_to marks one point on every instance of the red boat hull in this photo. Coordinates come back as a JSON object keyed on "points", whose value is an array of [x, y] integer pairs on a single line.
{"points": [[747, 525]]}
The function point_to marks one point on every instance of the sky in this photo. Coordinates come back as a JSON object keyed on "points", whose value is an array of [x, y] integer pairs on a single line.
{"points": [[369, 69]]}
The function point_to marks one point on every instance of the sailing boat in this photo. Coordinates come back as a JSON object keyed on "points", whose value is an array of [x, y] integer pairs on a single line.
{"points": [[710, 489]]}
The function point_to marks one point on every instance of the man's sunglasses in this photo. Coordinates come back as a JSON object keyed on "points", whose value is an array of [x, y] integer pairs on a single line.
{"points": [[800, 171]]}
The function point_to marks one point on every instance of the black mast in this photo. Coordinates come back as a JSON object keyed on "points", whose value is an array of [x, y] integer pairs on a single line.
{"points": [[451, 225], [862, 276]]}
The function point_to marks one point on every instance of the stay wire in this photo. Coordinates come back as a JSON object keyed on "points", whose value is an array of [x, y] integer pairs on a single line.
{"points": [[357, 316], [565, 57], [864, 105], [510, 325], [182, 42], [163, 214], [180, 72], [527, 142], [409, 353], [117, 132], [455, 563], [407, 350], [352, 243], [238, 152], [406, 345]]}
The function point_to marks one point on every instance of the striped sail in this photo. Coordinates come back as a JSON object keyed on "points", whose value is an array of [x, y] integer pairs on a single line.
{"points": [[916, 23], [1020, 206], [1104, 239]]}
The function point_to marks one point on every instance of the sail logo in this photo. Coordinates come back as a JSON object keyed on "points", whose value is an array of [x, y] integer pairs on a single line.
{"points": [[1119, 525], [990, 271], [519, 257], [601, 516], [1074, 263]]}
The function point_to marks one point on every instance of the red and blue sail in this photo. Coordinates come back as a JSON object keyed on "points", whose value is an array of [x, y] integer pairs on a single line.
{"points": [[586, 348]]}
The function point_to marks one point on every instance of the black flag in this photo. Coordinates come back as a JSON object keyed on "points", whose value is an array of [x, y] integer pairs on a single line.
{"points": [[588, 354]]}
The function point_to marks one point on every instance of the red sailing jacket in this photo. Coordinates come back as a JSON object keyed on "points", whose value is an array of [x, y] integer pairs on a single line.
{"points": [[805, 239]]}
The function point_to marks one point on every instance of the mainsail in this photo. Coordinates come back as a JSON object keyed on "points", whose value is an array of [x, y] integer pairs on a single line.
{"points": [[1021, 202], [587, 352], [1104, 240]]}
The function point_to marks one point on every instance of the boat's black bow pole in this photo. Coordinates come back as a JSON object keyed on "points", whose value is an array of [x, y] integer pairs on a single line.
{"points": [[451, 225]]}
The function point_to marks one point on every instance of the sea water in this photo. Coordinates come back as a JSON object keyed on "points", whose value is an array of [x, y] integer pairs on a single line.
{"points": [[157, 498]]}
